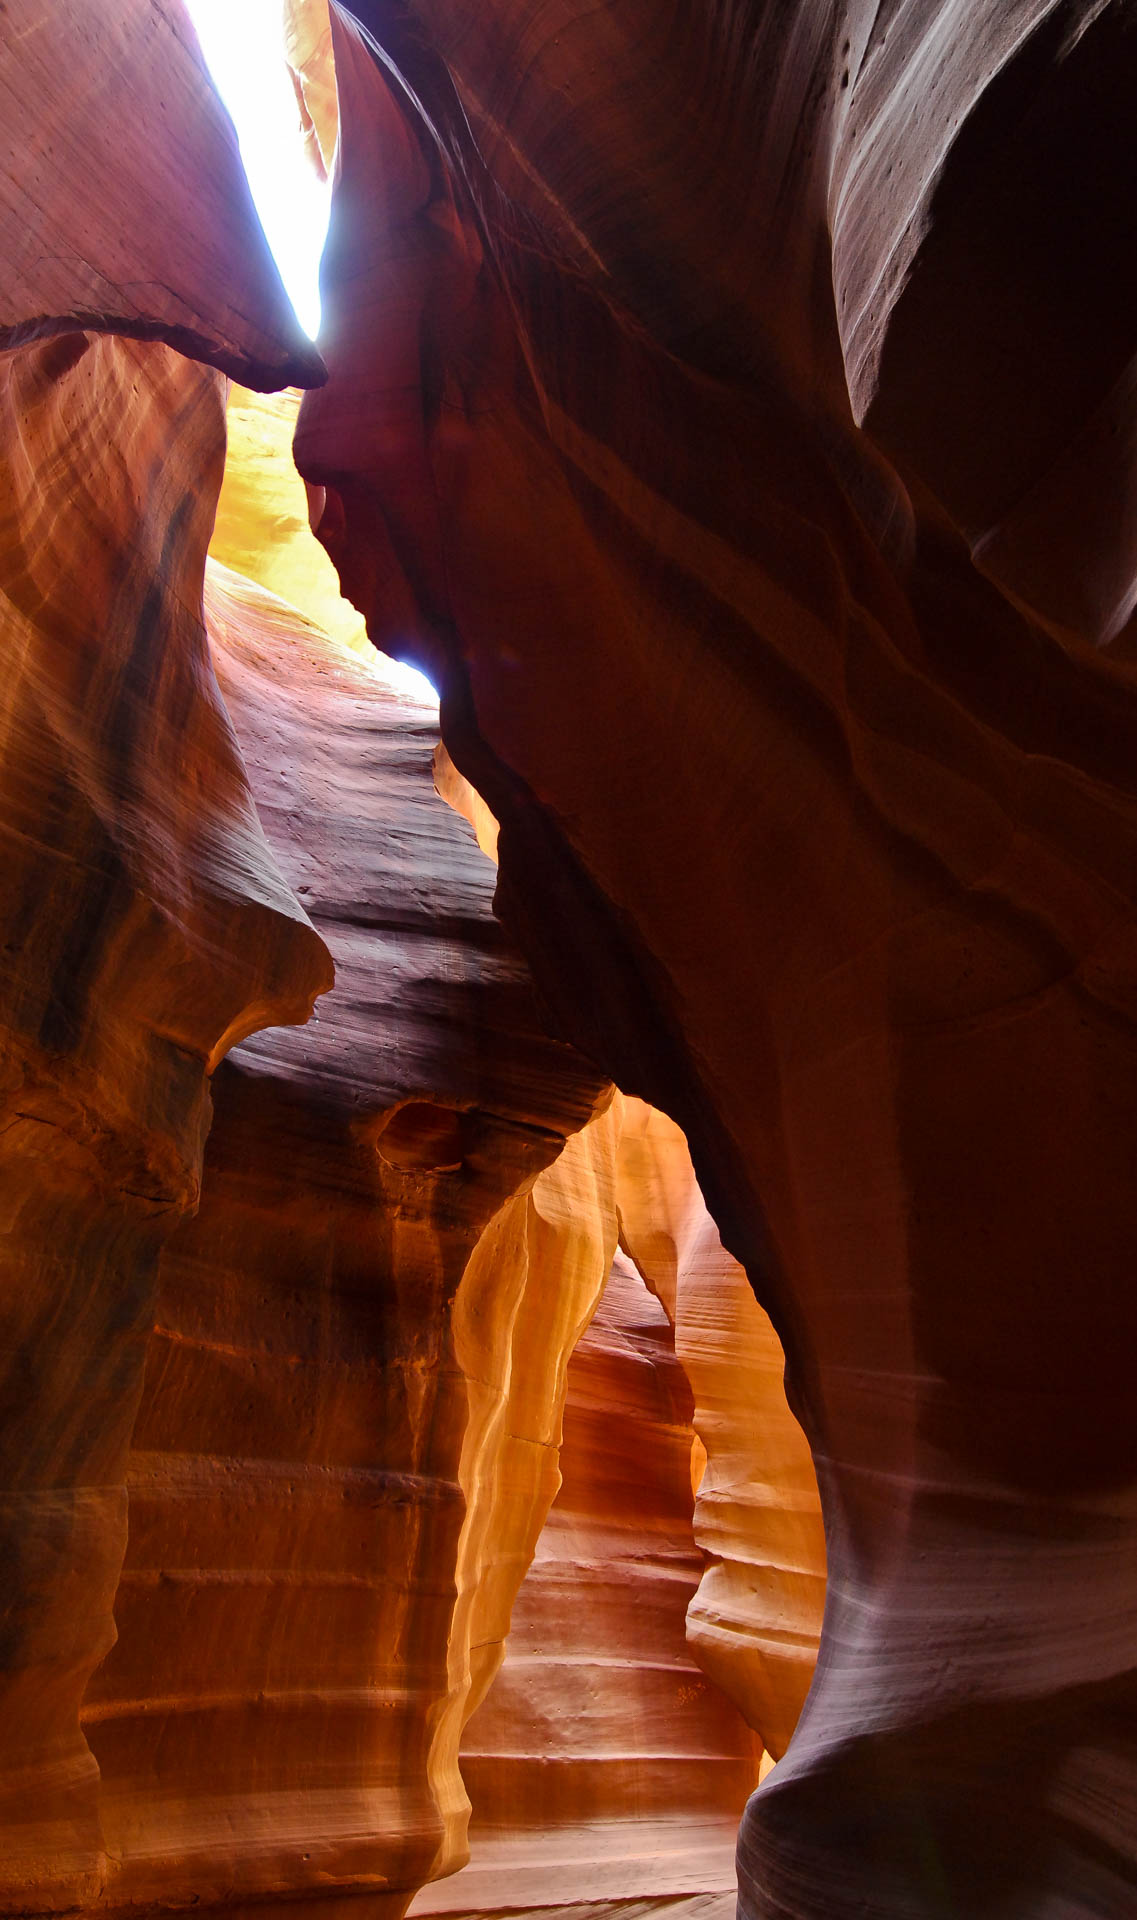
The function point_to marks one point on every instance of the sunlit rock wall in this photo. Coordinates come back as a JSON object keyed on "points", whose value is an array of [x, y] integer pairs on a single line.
{"points": [[816, 835], [261, 530], [124, 206], [602, 1766], [347, 1440], [755, 1621], [308, 48], [146, 927]]}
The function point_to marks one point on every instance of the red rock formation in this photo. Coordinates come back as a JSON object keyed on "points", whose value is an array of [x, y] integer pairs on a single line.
{"points": [[347, 1439], [812, 837], [261, 530], [146, 928], [124, 207], [308, 45], [601, 1766], [755, 1621]]}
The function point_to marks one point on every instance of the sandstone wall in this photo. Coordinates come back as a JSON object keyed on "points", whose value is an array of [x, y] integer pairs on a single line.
{"points": [[734, 413], [347, 1437], [146, 928], [814, 837], [602, 1767], [755, 1621]]}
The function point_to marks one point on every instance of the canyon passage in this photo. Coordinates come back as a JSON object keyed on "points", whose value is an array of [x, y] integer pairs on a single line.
{"points": [[568, 1227]]}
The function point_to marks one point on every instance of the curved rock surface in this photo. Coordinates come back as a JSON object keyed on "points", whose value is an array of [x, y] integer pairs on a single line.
{"points": [[124, 207], [755, 1621], [347, 1440], [601, 1766], [261, 530], [818, 827], [308, 48], [146, 929], [814, 838]]}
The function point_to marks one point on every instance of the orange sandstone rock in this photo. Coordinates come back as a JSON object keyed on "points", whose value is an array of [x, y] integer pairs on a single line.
{"points": [[347, 1441], [601, 1766], [124, 207], [755, 1622], [261, 530], [146, 929], [308, 44], [813, 837]]}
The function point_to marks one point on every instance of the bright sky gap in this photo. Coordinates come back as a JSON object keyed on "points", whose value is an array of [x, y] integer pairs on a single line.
{"points": [[243, 43]]}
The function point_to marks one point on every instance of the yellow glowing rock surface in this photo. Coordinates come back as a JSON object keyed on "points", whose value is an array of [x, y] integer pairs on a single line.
{"points": [[262, 526], [308, 45]]}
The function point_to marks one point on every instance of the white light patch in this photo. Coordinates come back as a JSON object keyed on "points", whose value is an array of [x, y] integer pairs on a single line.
{"points": [[404, 679], [243, 43]]}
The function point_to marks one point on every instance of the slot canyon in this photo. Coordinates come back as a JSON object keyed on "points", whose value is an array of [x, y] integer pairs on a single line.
{"points": [[568, 1308]]}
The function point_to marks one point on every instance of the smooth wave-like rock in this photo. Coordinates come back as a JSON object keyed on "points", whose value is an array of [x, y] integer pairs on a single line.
{"points": [[601, 1765], [813, 837], [734, 412], [124, 207], [348, 1435], [308, 49], [146, 928], [261, 530], [755, 1621]]}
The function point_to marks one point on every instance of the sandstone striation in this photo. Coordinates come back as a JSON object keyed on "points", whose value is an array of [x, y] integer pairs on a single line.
{"points": [[308, 47], [734, 413], [814, 838], [755, 1621], [347, 1440], [146, 929], [146, 926], [124, 206], [261, 530], [601, 1766]]}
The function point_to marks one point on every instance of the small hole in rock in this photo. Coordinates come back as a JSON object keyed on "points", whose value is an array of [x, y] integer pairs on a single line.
{"points": [[425, 1136]]}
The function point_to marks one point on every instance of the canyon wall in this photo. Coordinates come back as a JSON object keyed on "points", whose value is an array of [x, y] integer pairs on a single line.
{"points": [[602, 1766], [146, 929], [146, 925], [347, 1437], [734, 414], [817, 836], [124, 207], [754, 1621]]}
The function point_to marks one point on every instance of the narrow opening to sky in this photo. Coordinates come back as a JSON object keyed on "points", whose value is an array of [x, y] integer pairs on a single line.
{"points": [[243, 41]]}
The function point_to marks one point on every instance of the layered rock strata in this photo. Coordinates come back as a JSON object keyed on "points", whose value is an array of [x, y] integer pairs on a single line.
{"points": [[146, 929], [814, 837], [146, 926], [347, 1441], [261, 530], [124, 207], [602, 1767], [308, 48], [755, 1621]]}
